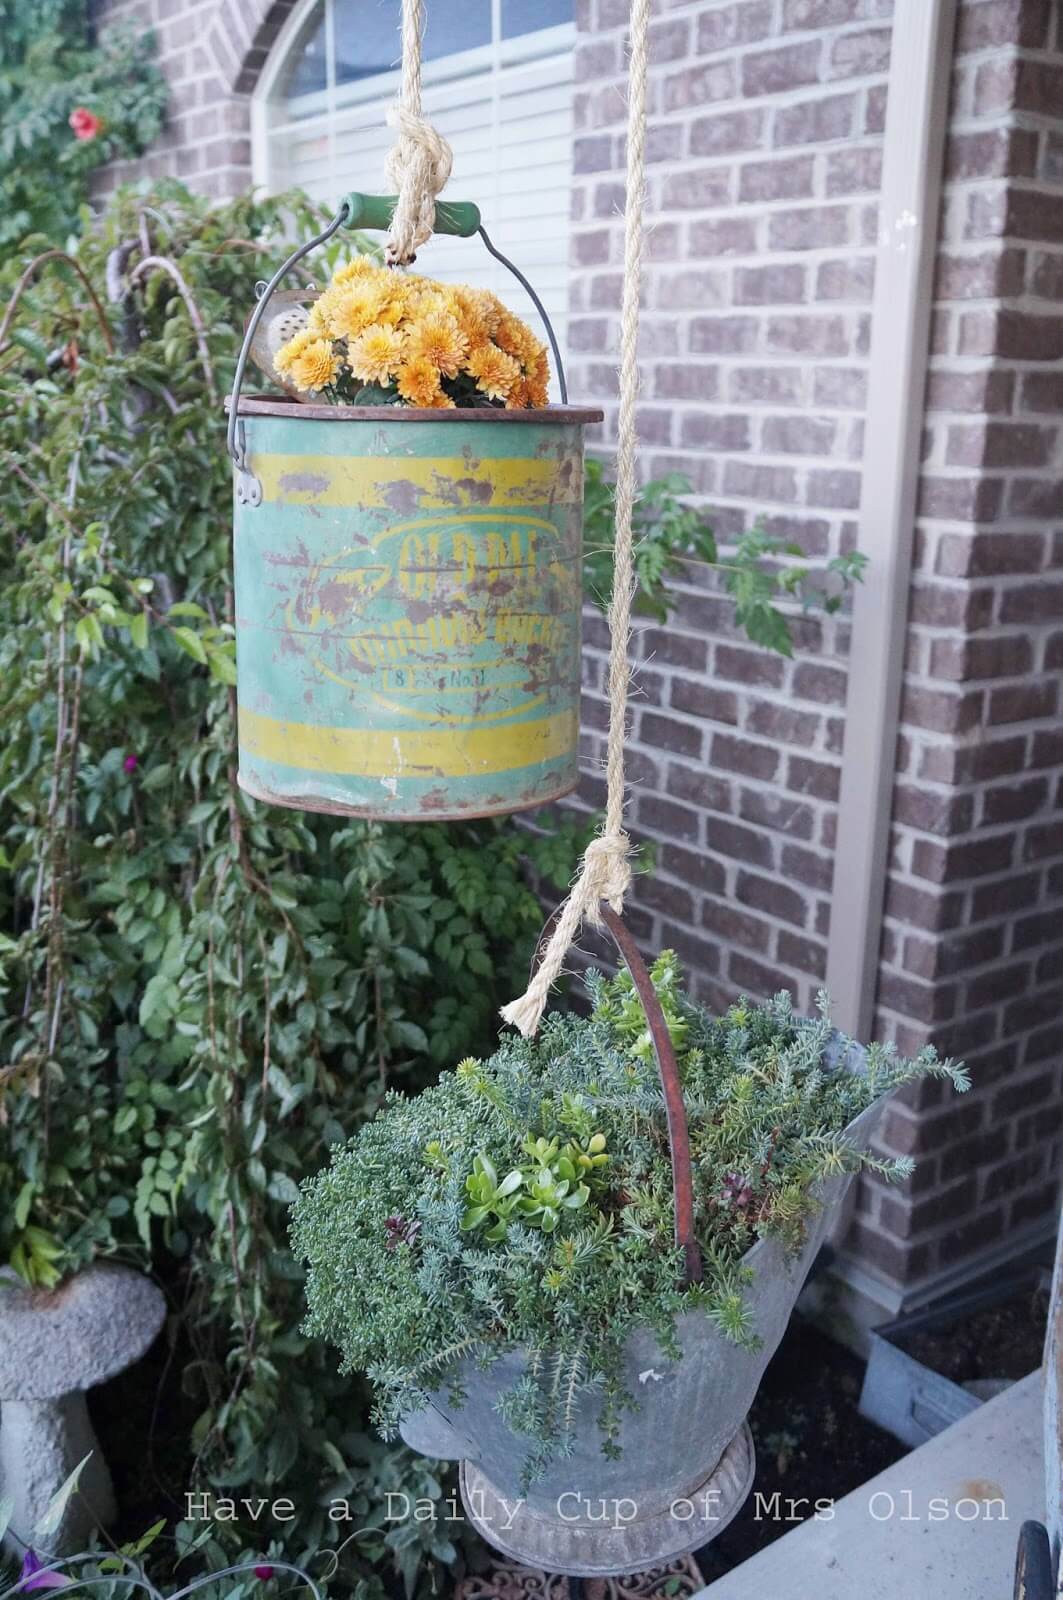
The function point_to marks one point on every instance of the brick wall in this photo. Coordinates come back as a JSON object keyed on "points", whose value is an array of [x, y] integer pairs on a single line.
{"points": [[972, 952], [765, 148], [211, 52]]}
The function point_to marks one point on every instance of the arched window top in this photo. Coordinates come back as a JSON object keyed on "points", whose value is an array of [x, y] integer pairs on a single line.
{"points": [[345, 43], [498, 83]]}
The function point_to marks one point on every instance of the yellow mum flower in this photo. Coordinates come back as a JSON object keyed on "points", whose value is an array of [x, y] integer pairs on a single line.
{"points": [[359, 306], [376, 355], [439, 340], [419, 384], [294, 347], [495, 373], [358, 269], [315, 366]]}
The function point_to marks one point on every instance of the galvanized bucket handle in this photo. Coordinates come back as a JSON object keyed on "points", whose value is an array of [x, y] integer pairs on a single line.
{"points": [[458, 217], [668, 1071]]}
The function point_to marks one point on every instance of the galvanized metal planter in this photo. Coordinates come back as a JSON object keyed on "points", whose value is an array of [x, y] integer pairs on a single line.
{"points": [[686, 1462], [407, 594]]}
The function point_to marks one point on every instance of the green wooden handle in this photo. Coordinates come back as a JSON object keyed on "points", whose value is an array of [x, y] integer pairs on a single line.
{"points": [[375, 210]]}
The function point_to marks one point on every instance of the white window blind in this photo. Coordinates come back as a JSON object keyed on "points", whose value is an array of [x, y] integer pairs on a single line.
{"points": [[504, 103]]}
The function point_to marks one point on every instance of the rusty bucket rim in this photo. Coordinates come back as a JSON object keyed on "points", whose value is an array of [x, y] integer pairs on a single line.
{"points": [[295, 410]]}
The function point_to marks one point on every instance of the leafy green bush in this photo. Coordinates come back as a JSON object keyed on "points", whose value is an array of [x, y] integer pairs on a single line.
{"points": [[200, 994], [419, 1252], [52, 70]]}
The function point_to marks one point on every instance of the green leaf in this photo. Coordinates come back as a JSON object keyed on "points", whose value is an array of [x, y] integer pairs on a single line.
{"points": [[138, 630], [191, 644], [56, 1510]]}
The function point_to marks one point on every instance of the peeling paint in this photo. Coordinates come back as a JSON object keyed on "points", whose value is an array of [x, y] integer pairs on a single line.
{"points": [[433, 619]]}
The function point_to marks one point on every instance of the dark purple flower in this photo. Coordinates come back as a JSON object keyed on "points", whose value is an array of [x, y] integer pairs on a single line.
{"points": [[264, 1572], [131, 763], [33, 1575]]}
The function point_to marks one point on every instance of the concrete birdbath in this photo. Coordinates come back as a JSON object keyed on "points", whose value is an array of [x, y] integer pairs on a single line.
{"points": [[55, 1344]]}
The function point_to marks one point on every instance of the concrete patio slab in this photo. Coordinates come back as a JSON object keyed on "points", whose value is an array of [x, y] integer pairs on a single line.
{"points": [[942, 1521]]}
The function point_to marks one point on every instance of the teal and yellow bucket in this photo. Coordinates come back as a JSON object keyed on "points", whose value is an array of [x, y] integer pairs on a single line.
{"points": [[407, 597]]}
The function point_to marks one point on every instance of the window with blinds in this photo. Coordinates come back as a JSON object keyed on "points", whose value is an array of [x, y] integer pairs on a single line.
{"points": [[497, 84]]}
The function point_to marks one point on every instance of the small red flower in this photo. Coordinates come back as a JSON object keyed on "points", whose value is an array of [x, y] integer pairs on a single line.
{"points": [[85, 123], [131, 763], [264, 1572]]}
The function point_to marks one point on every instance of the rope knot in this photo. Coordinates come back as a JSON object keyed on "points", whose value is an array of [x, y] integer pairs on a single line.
{"points": [[606, 873], [417, 167]]}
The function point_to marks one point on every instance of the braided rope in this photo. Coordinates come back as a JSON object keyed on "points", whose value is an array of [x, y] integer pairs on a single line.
{"points": [[606, 870], [419, 162]]}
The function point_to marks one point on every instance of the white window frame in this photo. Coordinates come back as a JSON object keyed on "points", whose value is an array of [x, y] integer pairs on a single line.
{"points": [[336, 99]]}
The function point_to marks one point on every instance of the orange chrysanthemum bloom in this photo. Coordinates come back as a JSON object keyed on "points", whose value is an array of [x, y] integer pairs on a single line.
{"points": [[376, 355], [358, 307], [438, 339], [496, 374], [419, 383], [315, 366]]}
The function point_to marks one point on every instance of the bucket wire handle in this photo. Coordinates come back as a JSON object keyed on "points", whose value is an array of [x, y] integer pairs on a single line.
{"points": [[668, 1071], [461, 218]]}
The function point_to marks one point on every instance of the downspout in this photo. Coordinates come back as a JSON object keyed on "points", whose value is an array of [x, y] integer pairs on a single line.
{"points": [[916, 120]]}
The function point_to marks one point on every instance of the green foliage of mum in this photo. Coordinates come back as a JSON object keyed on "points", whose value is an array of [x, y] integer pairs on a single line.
{"points": [[527, 1200]]}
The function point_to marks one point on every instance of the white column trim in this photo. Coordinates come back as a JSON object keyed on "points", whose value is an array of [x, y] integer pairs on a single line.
{"points": [[916, 120]]}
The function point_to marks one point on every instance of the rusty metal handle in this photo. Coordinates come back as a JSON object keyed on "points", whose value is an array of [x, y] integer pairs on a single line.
{"points": [[668, 1071]]}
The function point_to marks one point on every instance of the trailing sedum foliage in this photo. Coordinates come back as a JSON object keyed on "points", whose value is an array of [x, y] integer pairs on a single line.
{"points": [[527, 1200]]}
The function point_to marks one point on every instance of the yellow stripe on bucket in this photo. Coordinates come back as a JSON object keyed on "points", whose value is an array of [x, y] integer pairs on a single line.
{"points": [[412, 483], [407, 752]]}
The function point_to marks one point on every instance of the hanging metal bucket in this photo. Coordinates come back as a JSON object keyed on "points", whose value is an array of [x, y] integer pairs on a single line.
{"points": [[408, 590], [408, 600]]}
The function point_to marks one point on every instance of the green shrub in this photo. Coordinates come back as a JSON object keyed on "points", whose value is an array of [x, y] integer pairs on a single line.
{"points": [[51, 68], [419, 1250], [200, 994]]}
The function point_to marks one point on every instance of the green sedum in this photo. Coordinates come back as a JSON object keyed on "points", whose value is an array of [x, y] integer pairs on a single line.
{"points": [[527, 1200]]}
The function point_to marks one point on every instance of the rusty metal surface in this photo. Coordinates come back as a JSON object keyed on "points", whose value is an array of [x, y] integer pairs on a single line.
{"points": [[667, 1067], [408, 610], [251, 406]]}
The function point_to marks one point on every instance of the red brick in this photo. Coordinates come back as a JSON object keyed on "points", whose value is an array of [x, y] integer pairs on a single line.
{"points": [[697, 86], [817, 778], [708, 430], [810, 228], [779, 283], [742, 755], [773, 897], [785, 178], [770, 72], [724, 919], [989, 555], [728, 132], [704, 700], [802, 334], [724, 335], [1023, 702], [668, 733], [1003, 22], [735, 24], [739, 844], [727, 236], [665, 816], [753, 482], [816, 121], [860, 55], [772, 385]]}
